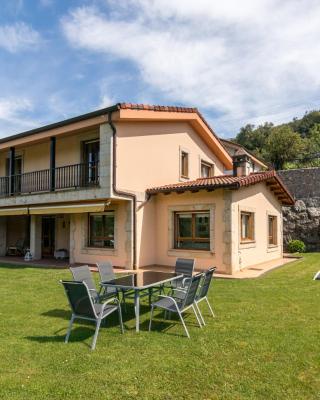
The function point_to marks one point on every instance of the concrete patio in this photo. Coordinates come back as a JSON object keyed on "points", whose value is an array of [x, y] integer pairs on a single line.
{"points": [[254, 271]]}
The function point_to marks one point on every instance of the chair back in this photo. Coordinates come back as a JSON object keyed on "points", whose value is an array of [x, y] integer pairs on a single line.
{"points": [[192, 290], [185, 266], [79, 298], [206, 281], [83, 274], [105, 271]]}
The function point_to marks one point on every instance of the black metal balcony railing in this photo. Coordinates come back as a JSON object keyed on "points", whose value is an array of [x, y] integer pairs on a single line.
{"points": [[66, 177]]}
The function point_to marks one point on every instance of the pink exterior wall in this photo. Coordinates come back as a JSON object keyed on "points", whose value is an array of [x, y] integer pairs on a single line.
{"points": [[258, 199], [80, 252], [160, 229], [148, 153]]}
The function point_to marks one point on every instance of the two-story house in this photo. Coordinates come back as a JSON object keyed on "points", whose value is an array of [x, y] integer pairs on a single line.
{"points": [[137, 185]]}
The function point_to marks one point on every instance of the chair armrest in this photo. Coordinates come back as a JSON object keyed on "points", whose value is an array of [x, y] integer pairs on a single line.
{"points": [[170, 298], [184, 280], [112, 300]]}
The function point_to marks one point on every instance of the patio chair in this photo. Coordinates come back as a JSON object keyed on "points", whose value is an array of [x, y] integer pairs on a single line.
{"points": [[203, 291], [19, 249], [185, 267], [107, 274], [83, 274], [179, 305], [82, 307], [317, 276]]}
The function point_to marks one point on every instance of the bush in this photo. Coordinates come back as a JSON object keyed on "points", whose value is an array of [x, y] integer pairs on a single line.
{"points": [[296, 246]]}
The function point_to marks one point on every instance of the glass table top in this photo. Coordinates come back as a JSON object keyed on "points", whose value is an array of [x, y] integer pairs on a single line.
{"points": [[142, 279]]}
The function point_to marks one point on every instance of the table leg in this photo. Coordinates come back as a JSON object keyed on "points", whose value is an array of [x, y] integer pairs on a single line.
{"points": [[137, 308]]}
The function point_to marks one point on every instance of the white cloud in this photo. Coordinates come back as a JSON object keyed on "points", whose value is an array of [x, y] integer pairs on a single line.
{"points": [[11, 107], [244, 61], [106, 101], [14, 115], [18, 36]]}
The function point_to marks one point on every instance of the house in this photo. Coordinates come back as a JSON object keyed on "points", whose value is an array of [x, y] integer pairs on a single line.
{"points": [[137, 185], [237, 151]]}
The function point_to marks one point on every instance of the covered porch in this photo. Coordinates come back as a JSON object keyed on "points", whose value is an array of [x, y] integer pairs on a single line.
{"points": [[59, 235]]}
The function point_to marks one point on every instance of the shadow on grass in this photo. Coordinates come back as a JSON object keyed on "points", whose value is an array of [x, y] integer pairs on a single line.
{"points": [[78, 334], [158, 323], [33, 266]]}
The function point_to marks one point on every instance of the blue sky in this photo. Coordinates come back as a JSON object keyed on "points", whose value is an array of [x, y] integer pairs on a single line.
{"points": [[254, 63]]}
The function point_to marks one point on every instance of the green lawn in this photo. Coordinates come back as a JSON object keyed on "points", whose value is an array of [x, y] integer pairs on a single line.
{"points": [[263, 344]]}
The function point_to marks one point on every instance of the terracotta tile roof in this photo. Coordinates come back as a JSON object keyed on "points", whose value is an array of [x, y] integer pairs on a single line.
{"points": [[230, 182], [130, 106]]}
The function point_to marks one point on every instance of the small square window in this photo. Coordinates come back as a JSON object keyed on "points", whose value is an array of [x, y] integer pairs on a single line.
{"points": [[184, 164], [247, 226], [272, 230], [206, 170]]}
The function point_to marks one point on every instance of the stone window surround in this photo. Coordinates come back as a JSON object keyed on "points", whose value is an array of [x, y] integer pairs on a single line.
{"points": [[187, 151], [206, 161], [184, 252], [273, 247], [86, 249], [252, 243]]}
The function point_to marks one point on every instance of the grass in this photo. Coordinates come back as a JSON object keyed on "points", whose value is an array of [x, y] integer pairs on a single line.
{"points": [[263, 344]]}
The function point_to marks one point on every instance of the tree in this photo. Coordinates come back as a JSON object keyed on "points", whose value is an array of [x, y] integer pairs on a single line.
{"points": [[311, 156], [283, 145], [254, 139], [304, 125]]}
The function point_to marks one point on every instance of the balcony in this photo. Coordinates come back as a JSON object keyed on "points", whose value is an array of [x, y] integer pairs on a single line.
{"points": [[50, 180]]}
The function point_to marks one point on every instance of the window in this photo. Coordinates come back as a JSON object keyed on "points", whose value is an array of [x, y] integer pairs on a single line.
{"points": [[90, 169], [247, 226], [184, 164], [206, 170], [272, 230], [101, 230], [192, 230]]}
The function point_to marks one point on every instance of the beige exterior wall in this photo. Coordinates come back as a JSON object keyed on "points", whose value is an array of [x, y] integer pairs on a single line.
{"points": [[259, 200], [158, 233], [80, 252], [62, 232], [149, 154], [36, 157]]}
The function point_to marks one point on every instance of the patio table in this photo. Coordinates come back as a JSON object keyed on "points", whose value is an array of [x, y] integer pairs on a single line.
{"points": [[139, 281]]}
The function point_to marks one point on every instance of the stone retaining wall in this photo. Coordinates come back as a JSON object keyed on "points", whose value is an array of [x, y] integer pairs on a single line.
{"points": [[302, 221]]}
